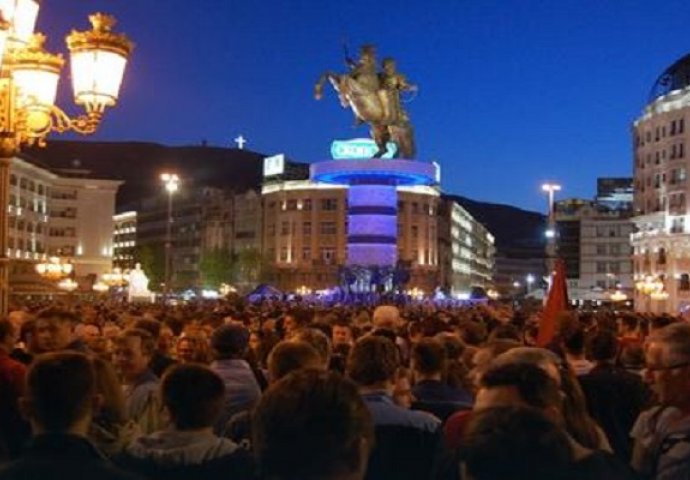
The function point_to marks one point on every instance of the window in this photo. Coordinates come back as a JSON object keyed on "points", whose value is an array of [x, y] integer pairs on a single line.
{"points": [[306, 253], [681, 125], [615, 249], [13, 179], [306, 205], [415, 207], [292, 205], [601, 249], [328, 228], [285, 228], [601, 267], [328, 254], [306, 228], [415, 231], [684, 282], [271, 229], [661, 256], [284, 254], [329, 204], [614, 267]]}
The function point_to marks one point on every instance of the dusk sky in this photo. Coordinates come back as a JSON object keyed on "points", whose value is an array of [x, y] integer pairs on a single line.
{"points": [[512, 92]]}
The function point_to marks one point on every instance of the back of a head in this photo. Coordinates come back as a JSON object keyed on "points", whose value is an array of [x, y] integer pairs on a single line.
{"points": [[386, 316], [515, 443], [193, 394], [289, 356], [603, 346], [429, 356], [574, 340], [312, 425], [318, 340], [373, 360], [536, 388], [60, 389], [230, 341]]}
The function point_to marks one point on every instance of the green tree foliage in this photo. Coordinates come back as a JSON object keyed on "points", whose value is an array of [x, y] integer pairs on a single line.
{"points": [[216, 267], [152, 260]]}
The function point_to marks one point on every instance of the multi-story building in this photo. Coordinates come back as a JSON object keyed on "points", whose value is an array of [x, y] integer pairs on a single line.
{"points": [[305, 237], [661, 242], [204, 219], [58, 213], [125, 240], [594, 242], [467, 251]]}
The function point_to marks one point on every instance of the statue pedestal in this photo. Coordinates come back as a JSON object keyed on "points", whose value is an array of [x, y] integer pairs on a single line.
{"points": [[372, 208]]}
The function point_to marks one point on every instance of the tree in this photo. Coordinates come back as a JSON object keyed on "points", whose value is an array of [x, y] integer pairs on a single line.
{"points": [[216, 267], [152, 260]]}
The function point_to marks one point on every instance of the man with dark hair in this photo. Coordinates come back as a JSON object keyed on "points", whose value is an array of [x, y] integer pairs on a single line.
{"points": [[287, 357], [14, 431], [614, 396], [431, 392], [515, 443], [312, 425], [527, 385], [160, 362], [573, 345], [229, 344], [318, 340], [342, 333], [407, 441], [132, 356], [60, 401], [193, 395], [61, 325]]}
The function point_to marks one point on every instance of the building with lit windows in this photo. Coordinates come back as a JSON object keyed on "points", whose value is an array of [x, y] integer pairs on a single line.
{"points": [[305, 235], [467, 250], [661, 242], [125, 240], [59, 213], [593, 239]]}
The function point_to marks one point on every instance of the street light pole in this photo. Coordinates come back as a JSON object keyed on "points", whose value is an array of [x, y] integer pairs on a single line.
{"points": [[172, 183], [551, 189], [29, 77]]}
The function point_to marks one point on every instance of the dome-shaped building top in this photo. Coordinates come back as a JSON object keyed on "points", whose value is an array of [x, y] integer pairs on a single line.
{"points": [[675, 77]]}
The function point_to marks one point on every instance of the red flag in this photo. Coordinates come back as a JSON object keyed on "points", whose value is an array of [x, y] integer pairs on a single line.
{"points": [[556, 302]]}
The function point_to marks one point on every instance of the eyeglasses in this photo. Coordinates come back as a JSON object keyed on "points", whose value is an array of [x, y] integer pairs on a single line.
{"points": [[661, 368]]}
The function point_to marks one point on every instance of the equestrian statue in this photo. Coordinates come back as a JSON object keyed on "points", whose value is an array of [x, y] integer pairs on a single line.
{"points": [[374, 97]]}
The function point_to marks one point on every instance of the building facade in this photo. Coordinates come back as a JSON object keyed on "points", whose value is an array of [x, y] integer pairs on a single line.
{"points": [[467, 251], [305, 238], [58, 213], [661, 242], [594, 242]]}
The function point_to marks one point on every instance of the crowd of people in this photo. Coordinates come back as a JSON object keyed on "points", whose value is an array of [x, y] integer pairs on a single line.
{"points": [[290, 390]]}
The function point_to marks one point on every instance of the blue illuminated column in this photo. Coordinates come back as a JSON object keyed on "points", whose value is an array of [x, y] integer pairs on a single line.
{"points": [[372, 225], [373, 202]]}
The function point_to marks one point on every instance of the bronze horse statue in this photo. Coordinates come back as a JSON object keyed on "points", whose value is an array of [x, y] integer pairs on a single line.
{"points": [[362, 96]]}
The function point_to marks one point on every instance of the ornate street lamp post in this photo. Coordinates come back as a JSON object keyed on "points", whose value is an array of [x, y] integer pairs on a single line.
{"points": [[28, 85], [172, 184]]}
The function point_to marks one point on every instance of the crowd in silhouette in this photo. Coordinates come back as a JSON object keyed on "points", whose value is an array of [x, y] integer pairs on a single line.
{"points": [[290, 390]]}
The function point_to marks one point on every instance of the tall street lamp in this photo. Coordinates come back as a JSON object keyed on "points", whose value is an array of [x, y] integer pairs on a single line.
{"points": [[29, 78], [550, 189], [172, 184]]}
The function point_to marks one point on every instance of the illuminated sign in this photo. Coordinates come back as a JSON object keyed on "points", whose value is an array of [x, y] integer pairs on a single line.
{"points": [[274, 165], [359, 148]]}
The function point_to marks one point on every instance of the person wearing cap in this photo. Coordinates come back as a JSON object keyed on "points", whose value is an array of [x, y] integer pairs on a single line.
{"points": [[229, 344]]}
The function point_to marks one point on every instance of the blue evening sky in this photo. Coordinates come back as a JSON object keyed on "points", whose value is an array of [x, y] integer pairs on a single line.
{"points": [[512, 92]]}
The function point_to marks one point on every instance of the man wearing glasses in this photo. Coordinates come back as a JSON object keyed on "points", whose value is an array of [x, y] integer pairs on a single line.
{"points": [[662, 434]]}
